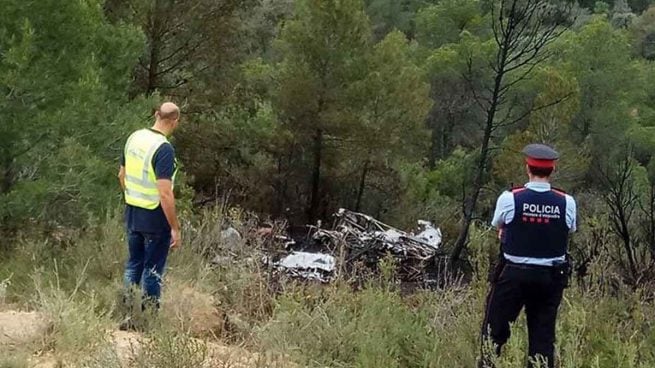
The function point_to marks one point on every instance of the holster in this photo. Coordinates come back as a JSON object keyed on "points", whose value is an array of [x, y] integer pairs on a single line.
{"points": [[562, 272]]}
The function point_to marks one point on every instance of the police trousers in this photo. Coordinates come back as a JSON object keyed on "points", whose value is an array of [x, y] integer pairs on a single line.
{"points": [[537, 288]]}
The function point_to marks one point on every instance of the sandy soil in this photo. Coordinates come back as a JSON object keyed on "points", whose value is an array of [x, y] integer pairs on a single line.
{"points": [[18, 329]]}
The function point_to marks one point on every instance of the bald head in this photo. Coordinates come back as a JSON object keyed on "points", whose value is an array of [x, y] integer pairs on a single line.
{"points": [[167, 117], [168, 112]]}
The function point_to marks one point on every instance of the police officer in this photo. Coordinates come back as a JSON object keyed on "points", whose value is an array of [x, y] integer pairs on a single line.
{"points": [[534, 222], [146, 174]]}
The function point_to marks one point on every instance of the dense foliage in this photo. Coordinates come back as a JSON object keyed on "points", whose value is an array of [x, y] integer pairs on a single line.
{"points": [[401, 109]]}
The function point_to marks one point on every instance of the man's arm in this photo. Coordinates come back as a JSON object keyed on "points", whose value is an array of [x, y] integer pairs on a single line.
{"points": [[504, 212], [164, 164], [167, 198], [571, 214], [121, 171], [121, 176]]}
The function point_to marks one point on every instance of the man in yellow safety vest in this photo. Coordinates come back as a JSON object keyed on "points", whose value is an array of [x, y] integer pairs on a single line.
{"points": [[147, 174]]}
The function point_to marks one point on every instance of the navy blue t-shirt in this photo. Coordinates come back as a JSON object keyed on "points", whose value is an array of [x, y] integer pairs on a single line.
{"points": [[152, 221]]}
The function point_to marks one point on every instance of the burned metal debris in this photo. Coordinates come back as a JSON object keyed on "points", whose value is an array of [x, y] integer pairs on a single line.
{"points": [[359, 238], [308, 265]]}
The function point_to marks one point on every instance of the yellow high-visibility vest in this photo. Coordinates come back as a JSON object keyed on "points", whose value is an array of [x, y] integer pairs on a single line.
{"points": [[140, 180]]}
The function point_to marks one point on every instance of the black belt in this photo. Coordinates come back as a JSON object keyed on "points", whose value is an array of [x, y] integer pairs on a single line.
{"points": [[527, 266]]}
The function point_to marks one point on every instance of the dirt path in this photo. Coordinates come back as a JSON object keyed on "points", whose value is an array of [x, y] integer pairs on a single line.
{"points": [[20, 329]]}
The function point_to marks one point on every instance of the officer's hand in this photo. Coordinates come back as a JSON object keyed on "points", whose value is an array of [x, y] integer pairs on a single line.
{"points": [[176, 239]]}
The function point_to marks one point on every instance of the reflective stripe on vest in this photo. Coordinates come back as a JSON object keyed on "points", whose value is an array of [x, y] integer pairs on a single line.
{"points": [[140, 180]]}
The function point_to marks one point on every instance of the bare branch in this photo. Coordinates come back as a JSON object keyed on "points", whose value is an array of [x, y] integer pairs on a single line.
{"points": [[535, 109], [478, 100], [180, 61]]}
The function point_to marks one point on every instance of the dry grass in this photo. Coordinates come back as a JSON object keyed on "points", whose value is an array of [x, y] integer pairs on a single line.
{"points": [[230, 316]]}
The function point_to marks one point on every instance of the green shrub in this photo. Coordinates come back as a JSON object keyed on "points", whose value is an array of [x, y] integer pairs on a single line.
{"points": [[602, 323]]}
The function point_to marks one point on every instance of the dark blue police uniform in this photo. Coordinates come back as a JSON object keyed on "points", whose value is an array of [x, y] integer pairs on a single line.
{"points": [[534, 223]]}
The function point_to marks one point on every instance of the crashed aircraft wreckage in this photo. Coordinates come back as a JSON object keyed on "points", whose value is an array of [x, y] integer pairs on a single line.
{"points": [[359, 238]]}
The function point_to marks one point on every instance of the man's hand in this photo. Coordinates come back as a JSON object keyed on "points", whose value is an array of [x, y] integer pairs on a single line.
{"points": [[165, 187], [176, 239]]}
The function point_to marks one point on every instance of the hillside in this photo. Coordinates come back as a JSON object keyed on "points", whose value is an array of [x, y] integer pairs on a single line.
{"points": [[278, 114]]}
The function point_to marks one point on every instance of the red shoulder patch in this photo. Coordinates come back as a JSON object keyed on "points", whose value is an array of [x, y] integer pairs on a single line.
{"points": [[559, 191], [517, 189]]}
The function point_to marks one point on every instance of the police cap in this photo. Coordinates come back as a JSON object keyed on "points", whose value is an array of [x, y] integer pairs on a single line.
{"points": [[540, 155]]}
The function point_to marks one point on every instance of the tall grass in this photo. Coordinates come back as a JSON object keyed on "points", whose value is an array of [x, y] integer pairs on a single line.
{"points": [[76, 283]]}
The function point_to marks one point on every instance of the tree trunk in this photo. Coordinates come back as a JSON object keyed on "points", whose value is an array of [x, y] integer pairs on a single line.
{"points": [[280, 188], [471, 202], [431, 123], [153, 63], [316, 176], [627, 242], [435, 148], [7, 178], [447, 137], [651, 221], [362, 184]]}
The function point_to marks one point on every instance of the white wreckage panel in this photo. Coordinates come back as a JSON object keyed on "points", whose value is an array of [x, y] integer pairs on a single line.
{"points": [[311, 266], [306, 260]]}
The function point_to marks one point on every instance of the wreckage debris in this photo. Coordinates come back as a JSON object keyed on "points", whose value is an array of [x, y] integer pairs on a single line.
{"points": [[358, 237], [309, 266]]}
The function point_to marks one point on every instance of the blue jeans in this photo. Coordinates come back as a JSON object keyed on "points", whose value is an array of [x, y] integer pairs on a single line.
{"points": [[146, 262]]}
